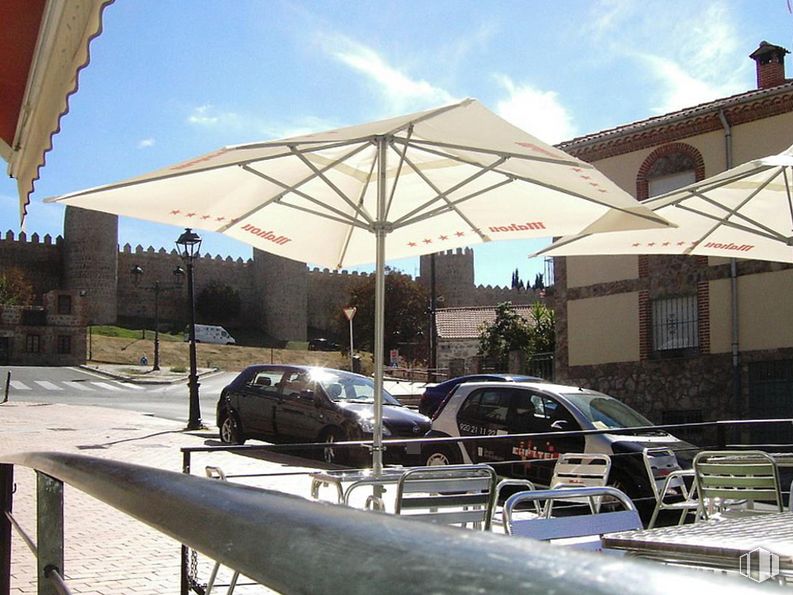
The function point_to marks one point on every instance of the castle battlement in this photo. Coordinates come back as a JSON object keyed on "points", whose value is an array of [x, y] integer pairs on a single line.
{"points": [[34, 238]]}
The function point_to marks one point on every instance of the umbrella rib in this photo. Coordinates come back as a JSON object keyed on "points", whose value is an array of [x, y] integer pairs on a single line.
{"points": [[734, 212], [402, 157], [433, 114], [348, 239], [292, 189], [426, 144], [321, 175], [686, 193], [452, 207], [343, 220], [443, 195], [770, 234], [568, 192]]}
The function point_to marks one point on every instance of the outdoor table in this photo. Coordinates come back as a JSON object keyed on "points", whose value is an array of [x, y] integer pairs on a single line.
{"points": [[355, 478], [726, 545]]}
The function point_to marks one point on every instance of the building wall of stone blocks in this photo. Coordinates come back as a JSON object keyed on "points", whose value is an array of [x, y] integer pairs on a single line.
{"points": [[282, 286], [60, 328], [328, 294], [39, 258], [90, 263]]}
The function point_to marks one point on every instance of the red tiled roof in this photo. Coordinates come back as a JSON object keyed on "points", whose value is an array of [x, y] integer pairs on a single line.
{"points": [[466, 323]]}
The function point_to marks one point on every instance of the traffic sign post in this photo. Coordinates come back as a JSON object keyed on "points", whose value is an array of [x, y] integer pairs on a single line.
{"points": [[349, 312]]}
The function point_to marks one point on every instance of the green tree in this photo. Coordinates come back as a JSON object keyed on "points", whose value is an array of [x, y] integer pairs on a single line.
{"points": [[15, 289], [405, 311], [542, 321], [218, 302], [509, 332]]}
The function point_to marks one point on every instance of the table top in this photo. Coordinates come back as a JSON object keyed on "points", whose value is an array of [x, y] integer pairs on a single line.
{"points": [[719, 542]]}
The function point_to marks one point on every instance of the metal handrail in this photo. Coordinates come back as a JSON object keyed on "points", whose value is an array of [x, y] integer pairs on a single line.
{"points": [[295, 545]]}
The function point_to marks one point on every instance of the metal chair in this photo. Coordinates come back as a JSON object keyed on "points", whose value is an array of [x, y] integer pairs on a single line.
{"points": [[729, 483], [448, 494], [580, 470], [581, 531], [217, 473], [509, 483], [662, 466]]}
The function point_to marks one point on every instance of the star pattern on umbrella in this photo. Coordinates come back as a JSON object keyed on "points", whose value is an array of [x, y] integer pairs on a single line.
{"points": [[195, 215], [652, 244], [441, 238]]}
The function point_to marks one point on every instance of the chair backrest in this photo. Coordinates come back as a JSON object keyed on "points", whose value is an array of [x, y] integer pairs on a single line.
{"points": [[593, 524], [581, 470], [448, 494], [659, 461], [749, 475]]}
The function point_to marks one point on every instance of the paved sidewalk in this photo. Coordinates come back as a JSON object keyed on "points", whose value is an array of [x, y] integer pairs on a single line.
{"points": [[107, 552]]}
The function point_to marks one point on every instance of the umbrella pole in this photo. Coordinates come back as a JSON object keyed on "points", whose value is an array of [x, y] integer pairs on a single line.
{"points": [[379, 310]]}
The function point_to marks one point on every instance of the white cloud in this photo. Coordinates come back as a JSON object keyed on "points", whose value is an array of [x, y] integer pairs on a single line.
{"points": [[207, 115], [146, 143], [399, 90], [606, 16], [539, 113]]}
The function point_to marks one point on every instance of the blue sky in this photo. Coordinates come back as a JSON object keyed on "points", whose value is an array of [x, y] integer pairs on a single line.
{"points": [[172, 79]]}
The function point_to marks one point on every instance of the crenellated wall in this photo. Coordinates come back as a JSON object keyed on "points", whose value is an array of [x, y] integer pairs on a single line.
{"points": [[42, 258], [280, 296]]}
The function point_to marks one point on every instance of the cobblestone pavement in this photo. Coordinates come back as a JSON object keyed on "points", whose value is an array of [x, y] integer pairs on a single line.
{"points": [[107, 552]]}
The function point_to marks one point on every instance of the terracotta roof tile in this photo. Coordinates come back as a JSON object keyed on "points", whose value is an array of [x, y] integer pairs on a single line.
{"points": [[466, 323]]}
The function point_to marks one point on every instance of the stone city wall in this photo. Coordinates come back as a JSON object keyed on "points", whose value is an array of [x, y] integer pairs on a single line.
{"points": [[40, 259]]}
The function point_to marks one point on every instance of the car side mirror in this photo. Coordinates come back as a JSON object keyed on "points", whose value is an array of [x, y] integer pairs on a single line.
{"points": [[560, 424], [307, 394]]}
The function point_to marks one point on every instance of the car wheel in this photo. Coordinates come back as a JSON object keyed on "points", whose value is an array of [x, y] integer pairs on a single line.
{"points": [[231, 430], [440, 455]]}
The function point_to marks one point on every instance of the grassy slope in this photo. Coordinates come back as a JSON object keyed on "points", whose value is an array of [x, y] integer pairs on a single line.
{"points": [[128, 350]]}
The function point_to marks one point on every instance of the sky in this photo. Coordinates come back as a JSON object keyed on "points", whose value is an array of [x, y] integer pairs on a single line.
{"points": [[173, 79]]}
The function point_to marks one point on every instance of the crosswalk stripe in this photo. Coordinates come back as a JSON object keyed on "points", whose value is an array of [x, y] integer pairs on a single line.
{"points": [[47, 385], [19, 385], [105, 385], [77, 385], [130, 385]]}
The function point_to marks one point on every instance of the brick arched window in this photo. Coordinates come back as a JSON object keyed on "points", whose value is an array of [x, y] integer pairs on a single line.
{"points": [[668, 167]]}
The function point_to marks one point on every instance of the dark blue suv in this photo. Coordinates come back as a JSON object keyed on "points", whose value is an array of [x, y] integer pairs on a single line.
{"points": [[434, 395]]}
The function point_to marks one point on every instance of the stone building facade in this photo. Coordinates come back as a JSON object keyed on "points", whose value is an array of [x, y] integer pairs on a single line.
{"points": [[52, 334], [614, 313]]}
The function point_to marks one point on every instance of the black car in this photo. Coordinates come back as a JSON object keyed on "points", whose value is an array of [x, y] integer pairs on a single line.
{"points": [[322, 344], [433, 395], [282, 403]]}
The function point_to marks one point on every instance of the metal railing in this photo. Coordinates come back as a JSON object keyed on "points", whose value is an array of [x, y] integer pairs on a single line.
{"points": [[291, 544]]}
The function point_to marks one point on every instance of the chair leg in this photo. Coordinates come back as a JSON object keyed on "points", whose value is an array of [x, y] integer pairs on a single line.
{"points": [[212, 577], [233, 583]]}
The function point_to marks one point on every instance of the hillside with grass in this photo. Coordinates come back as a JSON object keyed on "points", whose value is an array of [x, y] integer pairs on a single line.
{"points": [[117, 345]]}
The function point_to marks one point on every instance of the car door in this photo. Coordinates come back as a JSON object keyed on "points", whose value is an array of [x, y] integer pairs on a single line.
{"points": [[552, 418], [258, 400], [297, 412], [484, 413]]}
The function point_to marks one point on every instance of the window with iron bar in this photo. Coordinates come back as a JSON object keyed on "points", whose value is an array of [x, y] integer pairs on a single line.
{"points": [[675, 324]]}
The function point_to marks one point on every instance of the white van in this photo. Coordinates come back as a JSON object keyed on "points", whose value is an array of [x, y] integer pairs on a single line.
{"points": [[206, 333]]}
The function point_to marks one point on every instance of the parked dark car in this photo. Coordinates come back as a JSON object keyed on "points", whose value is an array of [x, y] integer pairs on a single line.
{"points": [[281, 403], [498, 408], [435, 394], [322, 344]]}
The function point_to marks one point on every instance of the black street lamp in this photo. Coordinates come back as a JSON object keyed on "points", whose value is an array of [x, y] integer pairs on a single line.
{"points": [[189, 246], [137, 274]]}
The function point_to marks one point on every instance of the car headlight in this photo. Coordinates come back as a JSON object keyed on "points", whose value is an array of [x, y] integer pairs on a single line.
{"points": [[367, 427]]}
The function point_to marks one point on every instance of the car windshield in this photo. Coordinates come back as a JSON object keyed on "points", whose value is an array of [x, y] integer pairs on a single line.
{"points": [[605, 412], [352, 388]]}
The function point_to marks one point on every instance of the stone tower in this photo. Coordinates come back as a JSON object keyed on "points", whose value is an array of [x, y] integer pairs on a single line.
{"points": [[454, 276], [90, 261], [281, 289]]}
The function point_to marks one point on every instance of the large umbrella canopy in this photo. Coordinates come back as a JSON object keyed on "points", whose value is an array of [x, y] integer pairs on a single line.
{"points": [[430, 181], [744, 212]]}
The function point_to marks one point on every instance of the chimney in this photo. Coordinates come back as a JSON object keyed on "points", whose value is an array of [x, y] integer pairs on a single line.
{"points": [[770, 61]]}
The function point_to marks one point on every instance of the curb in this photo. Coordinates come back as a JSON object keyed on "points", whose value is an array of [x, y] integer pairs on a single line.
{"points": [[137, 380]]}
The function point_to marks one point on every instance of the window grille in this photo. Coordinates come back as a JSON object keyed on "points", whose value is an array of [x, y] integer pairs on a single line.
{"points": [[64, 344], [675, 324], [33, 343]]}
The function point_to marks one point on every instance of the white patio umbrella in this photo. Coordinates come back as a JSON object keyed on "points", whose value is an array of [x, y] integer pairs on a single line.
{"points": [[744, 212], [430, 181]]}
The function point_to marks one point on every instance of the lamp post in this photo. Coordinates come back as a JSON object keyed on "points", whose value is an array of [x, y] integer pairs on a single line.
{"points": [[137, 274], [189, 246]]}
